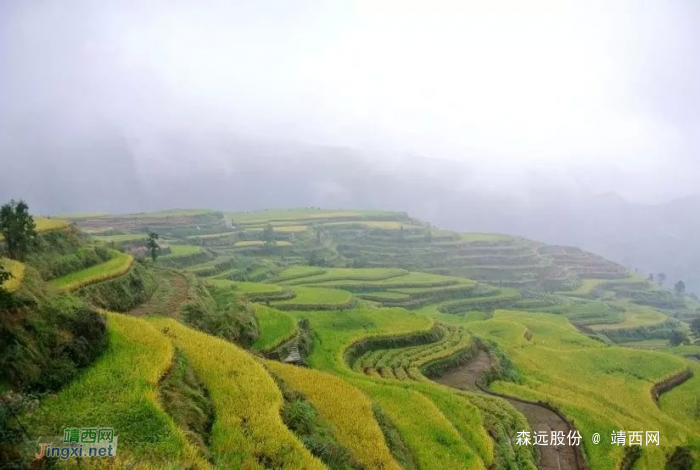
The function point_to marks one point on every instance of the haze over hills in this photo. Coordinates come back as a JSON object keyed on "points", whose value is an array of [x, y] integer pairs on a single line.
{"points": [[248, 175]]}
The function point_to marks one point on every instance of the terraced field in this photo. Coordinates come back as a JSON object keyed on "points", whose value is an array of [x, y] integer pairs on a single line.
{"points": [[601, 388], [378, 305], [404, 363], [118, 265]]}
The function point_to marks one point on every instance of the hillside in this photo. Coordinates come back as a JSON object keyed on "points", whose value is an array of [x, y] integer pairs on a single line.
{"points": [[310, 338]]}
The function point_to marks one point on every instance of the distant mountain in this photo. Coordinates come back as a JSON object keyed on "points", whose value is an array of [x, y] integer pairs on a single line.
{"points": [[117, 174]]}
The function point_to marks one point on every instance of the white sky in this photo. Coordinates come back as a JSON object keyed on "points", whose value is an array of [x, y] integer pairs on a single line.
{"points": [[606, 91]]}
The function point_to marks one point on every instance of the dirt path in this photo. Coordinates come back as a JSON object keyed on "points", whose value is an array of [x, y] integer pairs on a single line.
{"points": [[540, 418], [169, 295]]}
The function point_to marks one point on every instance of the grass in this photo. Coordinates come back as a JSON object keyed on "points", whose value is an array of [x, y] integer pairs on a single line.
{"points": [[120, 391], [248, 428], [346, 408], [118, 265], [603, 388], [16, 269], [296, 272], [275, 327]]}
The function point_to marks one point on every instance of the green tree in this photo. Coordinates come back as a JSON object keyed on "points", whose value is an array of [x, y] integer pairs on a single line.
{"points": [[679, 287], [318, 230], [678, 337], [268, 236], [18, 228], [695, 327], [661, 278], [152, 245]]}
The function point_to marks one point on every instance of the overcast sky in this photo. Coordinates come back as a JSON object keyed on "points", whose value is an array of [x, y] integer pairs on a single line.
{"points": [[602, 93]]}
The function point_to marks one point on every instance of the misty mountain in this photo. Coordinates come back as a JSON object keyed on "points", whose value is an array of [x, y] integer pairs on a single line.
{"points": [[116, 174]]}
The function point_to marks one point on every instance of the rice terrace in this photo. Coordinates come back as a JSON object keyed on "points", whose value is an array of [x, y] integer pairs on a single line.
{"points": [[317, 338]]}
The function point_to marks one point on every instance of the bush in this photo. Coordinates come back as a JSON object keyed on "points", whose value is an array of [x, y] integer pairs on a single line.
{"points": [[222, 314], [122, 293]]}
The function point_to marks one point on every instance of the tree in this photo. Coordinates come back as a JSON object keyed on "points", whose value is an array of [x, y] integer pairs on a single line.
{"points": [[268, 236], [18, 228], [695, 327], [679, 287], [661, 278], [318, 230], [678, 337], [651, 277], [152, 245]]}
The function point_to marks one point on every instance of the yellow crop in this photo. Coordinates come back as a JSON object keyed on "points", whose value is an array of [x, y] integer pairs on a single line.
{"points": [[118, 265], [120, 390], [248, 429], [346, 408], [44, 224], [17, 270]]}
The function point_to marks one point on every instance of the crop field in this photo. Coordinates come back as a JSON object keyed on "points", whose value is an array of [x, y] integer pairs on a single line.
{"points": [[386, 225], [634, 316], [314, 298], [278, 228], [388, 303], [602, 388], [45, 224], [349, 274], [242, 391], [16, 269], [177, 251], [263, 217], [118, 265], [276, 327], [405, 363], [120, 390], [246, 287], [128, 237], [346, 408]]}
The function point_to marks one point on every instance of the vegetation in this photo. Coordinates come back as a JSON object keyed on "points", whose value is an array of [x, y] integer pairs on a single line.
{"points": [[389, 305], [152, 245], [118, 265], [346, 408], [17, 228], [121, 389], [275, 328], [248, 431], [187, 401], [601, 388], [11, 274]]}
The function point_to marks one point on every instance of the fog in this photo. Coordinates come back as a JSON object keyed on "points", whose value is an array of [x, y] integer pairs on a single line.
{"points": [[570, 122]]}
